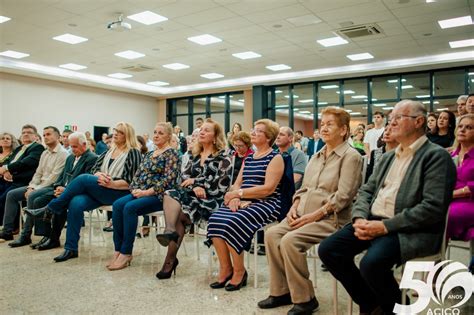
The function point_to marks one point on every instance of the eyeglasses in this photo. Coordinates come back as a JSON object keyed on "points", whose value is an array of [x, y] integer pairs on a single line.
{"points": [[5, 138], [259, 131], [119, 131], [400, 116], [239, 146]]}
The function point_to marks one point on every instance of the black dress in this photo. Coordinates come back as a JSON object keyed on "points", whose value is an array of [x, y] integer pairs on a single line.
{"points": [[445, 141]]}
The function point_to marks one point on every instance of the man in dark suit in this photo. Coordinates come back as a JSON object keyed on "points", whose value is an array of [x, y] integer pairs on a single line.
{"points": [[22, 167], [79, 162], [315, 144]]}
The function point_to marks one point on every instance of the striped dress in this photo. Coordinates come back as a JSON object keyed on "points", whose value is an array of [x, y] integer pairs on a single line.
{"points": [[238, 228]]}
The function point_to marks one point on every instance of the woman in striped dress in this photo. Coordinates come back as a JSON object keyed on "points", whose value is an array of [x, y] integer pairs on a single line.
{"points": [[252, 202]]}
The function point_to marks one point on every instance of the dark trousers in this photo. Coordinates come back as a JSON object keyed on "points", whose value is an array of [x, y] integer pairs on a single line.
{"points": [[373, 284], [5, 187]]}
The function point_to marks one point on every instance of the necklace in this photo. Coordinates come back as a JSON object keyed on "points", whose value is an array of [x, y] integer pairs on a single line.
{"points": [[258, 155]]}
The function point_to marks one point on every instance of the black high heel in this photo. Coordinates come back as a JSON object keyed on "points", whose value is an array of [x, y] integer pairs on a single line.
{"points": [[165, 238], [235, 287], [220, 285], [166, 275]]}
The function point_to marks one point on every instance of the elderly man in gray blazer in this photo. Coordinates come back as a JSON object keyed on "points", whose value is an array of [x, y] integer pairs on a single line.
{"points": [[399, 215]]}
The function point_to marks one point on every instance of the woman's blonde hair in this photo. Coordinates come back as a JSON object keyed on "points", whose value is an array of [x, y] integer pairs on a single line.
{"points": [[342, 117], [15, 143], [271, 129], [219, 139], [168, 127], [456, 143], [130, 137]]}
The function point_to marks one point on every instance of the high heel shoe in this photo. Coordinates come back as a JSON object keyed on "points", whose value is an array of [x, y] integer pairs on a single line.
{"points": [[235, 287], [116, 254], [116, 266], [220, 285], [165, 238], [167, 274]]}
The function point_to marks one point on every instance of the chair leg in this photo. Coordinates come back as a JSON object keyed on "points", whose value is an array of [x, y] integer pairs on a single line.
{"points": [[196, 241], [334, 297], [100, 224], [90, 227], [255, 261]]}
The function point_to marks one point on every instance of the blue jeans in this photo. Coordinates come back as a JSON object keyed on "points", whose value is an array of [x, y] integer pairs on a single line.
{"points": [[125, 218], [82, 194], [374, 284]]}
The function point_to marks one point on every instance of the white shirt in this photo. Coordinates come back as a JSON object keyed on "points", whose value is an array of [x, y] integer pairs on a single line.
{"points": [[372, 136]]}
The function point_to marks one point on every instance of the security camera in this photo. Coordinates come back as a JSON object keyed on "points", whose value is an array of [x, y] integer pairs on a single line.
{"points": [[119, 25]]}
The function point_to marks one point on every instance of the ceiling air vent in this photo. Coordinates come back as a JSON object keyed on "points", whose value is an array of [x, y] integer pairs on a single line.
{"points": [[360, 30], [138, 68]]}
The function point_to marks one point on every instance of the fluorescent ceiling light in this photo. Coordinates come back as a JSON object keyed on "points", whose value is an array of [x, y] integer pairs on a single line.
{"points": [[427, 102], [212, 75], [441, 109], [471, 73], [72, 66], [459, 21], [462, 43], [396, 80], [355, 113], [176, 66], [388, 108], [70, 39], [278, 67], [305, 112], [294, 96], [241, 100], [147, 17], [119, 75], [205, 39], [306, 101], [129, 54], [4, 19], [404, 87], [348, 110], [359, 96], [329, 86], [422, 96], [346, 92], [13, 54], [379, 105], [430, 1], [362, 56], [322, 103], [278, 91], [158, 83], [247, 55], [332, 41]]}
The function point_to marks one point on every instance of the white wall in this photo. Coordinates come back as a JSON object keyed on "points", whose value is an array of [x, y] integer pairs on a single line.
{"points": [[44, 102]]}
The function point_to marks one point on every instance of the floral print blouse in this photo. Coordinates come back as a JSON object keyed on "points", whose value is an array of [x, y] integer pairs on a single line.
{"points": [[159, 172]]}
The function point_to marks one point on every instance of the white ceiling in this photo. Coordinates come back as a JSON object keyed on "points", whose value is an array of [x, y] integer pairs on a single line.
{"points": [[410, 32]]}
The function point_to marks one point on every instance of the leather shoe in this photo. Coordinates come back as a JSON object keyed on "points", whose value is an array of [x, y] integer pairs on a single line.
{"points": [[275, 301], [49, 244], [22, 241], [42, 241], [306, 308], [235, 287], [6, 236], [67, 254]]}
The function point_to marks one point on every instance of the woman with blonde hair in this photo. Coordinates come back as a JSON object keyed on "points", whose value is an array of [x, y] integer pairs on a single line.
{"points": [[157, 173], [113, 173], [204, 181]]}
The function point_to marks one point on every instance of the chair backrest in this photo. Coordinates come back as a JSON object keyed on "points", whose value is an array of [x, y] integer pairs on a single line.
{"points": [[364, 168], [287, 187]]}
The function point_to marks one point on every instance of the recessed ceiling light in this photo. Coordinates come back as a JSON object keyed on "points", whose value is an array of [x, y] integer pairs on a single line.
{"points": [[73, 66], [294, 96], [404, 87], [176, 66], [13, 54], [322, 103], [329, 86], [379, 105], [4, 19], [129, 54], [119, 75], [278, 91], [346, 92], [158, 83], [363, 56], [396, 81], [247, 55], [459, 21], [70, 39], [355, 113], [205, 39], [430, 1], [441, 109], [422, 96], [212, 75], [388, 108], [147, 17], [470, 73], [306, 101], [427, 102], [462, 43], [278, 67], [305, 112], [332, 41], [359, 96], [348, 110]]}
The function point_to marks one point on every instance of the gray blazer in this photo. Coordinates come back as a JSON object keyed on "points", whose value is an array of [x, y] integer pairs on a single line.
{"points": [[422, 201]]}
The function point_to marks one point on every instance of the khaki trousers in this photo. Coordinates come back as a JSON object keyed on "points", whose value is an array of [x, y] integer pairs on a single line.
{"points": [[286, 254]]}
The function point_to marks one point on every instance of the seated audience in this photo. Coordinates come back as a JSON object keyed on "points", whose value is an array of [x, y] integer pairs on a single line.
{"points": [[101, 146], [65, 140], [284, 142], [204, 182], [446, 124], [470, 104], [320, 207], [461, 103], [8, 145], [388, 144], [183, 147], [461, 210], [158, 172], [432, 125], [315, 144], [251, 203], [113, 173], [242, 144], [399, 214], [236, 128], [80, 161], [358, 140], [50, 166], [191, 141]]}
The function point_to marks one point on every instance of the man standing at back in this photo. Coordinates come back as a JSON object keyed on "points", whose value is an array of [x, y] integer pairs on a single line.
{"points": [[399, 215], [315, 144], [372, 135]]}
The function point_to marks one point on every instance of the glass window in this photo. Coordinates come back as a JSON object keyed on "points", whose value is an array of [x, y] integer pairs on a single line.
{"points": [[237, 117], [416, 86], [218, 103], [182, 121], [303, 120], [303, 95], [448, 83], [282, 96], [446, 104], [182, 106], [219, 118], [384, 88], [327, 93], [282, 117], [385, 107], [358, 114], [471, 81], [203, 116], [199, 105], [237, 101], [355, 91]]}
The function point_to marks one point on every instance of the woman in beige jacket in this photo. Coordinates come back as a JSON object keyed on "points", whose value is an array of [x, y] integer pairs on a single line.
{"points": [[320, 207]]}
